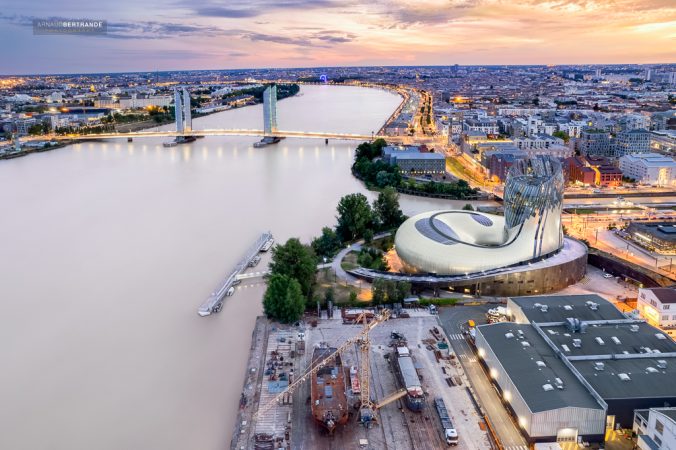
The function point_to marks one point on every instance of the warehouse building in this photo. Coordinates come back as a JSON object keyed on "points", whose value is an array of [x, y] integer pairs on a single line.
{"points": [[571, 367]]}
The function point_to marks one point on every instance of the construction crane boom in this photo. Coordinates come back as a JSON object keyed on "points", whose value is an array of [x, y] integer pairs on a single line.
{"points": [[315, 368], [390, 398]]}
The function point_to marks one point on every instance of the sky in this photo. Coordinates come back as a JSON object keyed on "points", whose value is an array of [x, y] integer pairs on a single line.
{"points": [[150, 35]]}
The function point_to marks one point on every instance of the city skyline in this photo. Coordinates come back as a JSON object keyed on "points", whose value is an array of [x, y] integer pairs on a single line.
{"points": [[312, 33]]}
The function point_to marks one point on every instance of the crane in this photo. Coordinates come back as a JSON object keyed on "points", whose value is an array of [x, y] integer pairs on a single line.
{"points": [[359, 338], [367, 408]]}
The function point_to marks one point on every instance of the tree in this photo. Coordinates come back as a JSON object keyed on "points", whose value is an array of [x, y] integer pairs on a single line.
{"points": [[354, 216], [403, 290], [562, 135], [297, 261], [391, 290], [327, 244], [329, 296], [468, 207], [35, 129], [368, 236], [386, 209], [283, 300], [378, 291]]}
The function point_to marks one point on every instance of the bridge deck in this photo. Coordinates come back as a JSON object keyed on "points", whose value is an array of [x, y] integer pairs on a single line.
{"points": [[142, 134]]}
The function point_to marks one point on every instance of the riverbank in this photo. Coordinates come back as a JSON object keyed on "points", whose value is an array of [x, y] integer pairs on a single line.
{"points": [[168, 224], [28, 150], [123, 128]]}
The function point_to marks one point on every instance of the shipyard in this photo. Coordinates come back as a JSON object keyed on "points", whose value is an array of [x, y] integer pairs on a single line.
{"points": [[409, 370]]}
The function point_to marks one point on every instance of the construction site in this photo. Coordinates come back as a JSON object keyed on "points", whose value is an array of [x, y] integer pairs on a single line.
{"points": [[359, 379]]}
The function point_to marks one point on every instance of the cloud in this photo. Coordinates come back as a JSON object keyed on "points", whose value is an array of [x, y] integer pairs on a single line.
{"points": [[237, 9], [219, 11]]}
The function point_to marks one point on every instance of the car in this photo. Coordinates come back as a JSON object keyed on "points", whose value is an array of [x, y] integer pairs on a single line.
{"points": [[607, 275]]}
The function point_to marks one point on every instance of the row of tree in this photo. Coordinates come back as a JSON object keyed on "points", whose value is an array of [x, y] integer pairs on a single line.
{"points": [[387, 291]]}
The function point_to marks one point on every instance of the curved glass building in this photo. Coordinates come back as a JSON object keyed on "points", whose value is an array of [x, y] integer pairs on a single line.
{"points": [[461, 242]]}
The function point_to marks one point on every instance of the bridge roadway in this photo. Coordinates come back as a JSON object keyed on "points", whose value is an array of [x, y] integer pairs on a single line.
{"points": [[219, 132]]}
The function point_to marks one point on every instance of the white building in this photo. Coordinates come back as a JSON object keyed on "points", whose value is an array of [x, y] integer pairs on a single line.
{"points": [[655, 428], [54, 97], [655, 306], [630, 122], [480, 125], [136, 101], [538, 126], [649, 168], [572, 128], [543, 144]]}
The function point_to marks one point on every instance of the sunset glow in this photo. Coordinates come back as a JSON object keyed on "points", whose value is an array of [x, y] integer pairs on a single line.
{"points": [[301, 33]]}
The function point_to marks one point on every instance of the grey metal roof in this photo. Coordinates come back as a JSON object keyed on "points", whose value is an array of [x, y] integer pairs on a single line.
{"points": [[558, 311], [613, 338], [520, 363], [641, 383], [408, 372]]}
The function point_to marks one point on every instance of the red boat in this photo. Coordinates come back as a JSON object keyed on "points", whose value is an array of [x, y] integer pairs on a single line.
{"points": [[329, 400]]}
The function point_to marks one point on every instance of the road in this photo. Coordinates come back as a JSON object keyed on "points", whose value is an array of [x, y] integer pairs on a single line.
{"points": [[452, 320], [593, 228]]}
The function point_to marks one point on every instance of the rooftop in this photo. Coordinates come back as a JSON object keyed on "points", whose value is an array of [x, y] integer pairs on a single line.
{"points": [[610, 339], [560, 307], [620, 358], [531, 367], [664, 295], [631, 378]]}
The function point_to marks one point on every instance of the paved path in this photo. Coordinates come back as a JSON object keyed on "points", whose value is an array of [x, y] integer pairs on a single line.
{"points": [[338, 259]]}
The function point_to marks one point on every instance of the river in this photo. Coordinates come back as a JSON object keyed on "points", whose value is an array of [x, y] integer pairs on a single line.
{"points": [[108, 248]]}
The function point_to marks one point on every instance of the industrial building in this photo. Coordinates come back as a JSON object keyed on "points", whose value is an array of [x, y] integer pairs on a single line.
{"points": [[415, 160], [659, 237], [571, 367]]}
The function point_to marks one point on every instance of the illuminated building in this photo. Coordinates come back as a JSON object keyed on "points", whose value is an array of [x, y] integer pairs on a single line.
{"points": [[460, 242], [658, 307]]}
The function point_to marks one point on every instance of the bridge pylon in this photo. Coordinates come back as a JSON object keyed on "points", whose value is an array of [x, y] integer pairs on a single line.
{"points": [[270, 110]]}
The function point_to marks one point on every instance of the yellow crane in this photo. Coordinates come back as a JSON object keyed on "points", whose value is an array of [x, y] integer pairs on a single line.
{"points": [[367, 407]]}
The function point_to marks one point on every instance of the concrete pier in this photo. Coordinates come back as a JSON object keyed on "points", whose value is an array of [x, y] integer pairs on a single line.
{"points": [[213, 303]]}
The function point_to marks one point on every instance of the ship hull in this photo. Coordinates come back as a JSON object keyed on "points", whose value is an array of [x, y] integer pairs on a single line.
{"points": [[328, 396]]}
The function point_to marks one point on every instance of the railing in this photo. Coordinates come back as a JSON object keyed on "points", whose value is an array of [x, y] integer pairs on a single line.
{"points": [[217, 296]]}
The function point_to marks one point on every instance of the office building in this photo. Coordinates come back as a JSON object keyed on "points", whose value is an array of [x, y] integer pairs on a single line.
{"points": [[659, 237], [415, 160], [595, 142], [658, 307], [630, 142], [655, 428], [649, 168]]}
